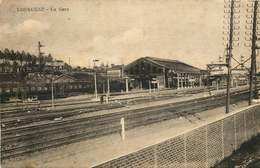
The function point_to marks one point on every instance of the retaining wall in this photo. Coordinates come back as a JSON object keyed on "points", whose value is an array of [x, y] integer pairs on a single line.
{"points": [[201, 147]]}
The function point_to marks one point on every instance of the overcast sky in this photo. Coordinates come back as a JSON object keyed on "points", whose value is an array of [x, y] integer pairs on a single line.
{"points": [[116, 31]]}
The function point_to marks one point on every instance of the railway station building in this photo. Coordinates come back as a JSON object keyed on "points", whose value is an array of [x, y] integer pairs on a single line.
{"points": [[218, 75], [151, 72]]}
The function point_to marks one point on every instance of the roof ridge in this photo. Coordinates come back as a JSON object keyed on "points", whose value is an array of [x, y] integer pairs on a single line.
{"points": [[170, 60], [175, 65], [164, 59]]}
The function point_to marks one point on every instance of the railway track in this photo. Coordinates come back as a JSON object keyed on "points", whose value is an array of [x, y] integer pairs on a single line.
{"points": [[20, 118], [84, 101], [23, 140], [47, 103]]}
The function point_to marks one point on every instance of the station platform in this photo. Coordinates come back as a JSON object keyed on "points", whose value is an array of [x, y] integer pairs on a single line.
{"points": [[155, 103], [90, 98]]}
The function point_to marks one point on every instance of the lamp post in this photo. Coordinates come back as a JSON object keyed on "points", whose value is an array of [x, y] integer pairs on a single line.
{"points": [[52, 94], [95, 83], [108, 89], [95, 78], [126, 85]]}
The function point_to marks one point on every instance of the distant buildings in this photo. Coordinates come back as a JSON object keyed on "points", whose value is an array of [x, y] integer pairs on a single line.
{"points": [[218, 75], [35, 77], [40, 85], [24, 75]]}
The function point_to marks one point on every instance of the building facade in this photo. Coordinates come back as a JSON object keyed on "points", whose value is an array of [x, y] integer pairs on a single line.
{"points": [[151, 72], [41, 85], [218, 75]]}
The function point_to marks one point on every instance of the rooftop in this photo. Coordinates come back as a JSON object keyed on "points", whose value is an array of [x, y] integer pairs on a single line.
{"points": [[175, 65]]}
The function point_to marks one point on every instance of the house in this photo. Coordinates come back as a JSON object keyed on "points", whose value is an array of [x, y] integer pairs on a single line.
{"points": [[117, 78], [73, 83]]}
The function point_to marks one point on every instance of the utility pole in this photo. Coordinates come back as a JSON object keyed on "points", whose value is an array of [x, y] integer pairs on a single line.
{"points": [[253, 92], [39, 50], [231, 15], [229, 49], [69, 65], [229, 55], [108, 89], [95, 78], [52, 94], [253, 54]]}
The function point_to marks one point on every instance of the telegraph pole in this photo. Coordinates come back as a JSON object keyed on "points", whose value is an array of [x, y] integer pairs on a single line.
{"points": [[255, 49], [95, 78], [229, 55], [52, 94], [39, 49], [40, 56], [231, 10], [108, 89], [69, 65], [252, 78]]}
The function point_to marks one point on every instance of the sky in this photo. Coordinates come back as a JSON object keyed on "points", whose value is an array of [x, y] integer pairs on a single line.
{"points": [[116, 31]]}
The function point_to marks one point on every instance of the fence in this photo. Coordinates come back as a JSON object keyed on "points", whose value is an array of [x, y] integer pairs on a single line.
{"points": [[200, 147]]}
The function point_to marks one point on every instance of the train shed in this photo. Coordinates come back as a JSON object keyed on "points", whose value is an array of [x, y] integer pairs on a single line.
{"points": [[152, 72]]}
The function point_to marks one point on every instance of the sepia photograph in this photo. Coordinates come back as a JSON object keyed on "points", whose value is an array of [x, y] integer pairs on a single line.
{"points": [[130, 83]]}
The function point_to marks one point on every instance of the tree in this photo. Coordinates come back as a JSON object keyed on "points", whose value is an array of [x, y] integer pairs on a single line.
{"points": [[22, 57], [6, 54], [12, 55], [67, 67], [1, 55], [15, 66], [28, 58]]}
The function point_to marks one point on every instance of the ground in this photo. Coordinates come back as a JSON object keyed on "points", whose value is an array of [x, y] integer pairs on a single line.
{"points": [[248, 156], [96, 151]]}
